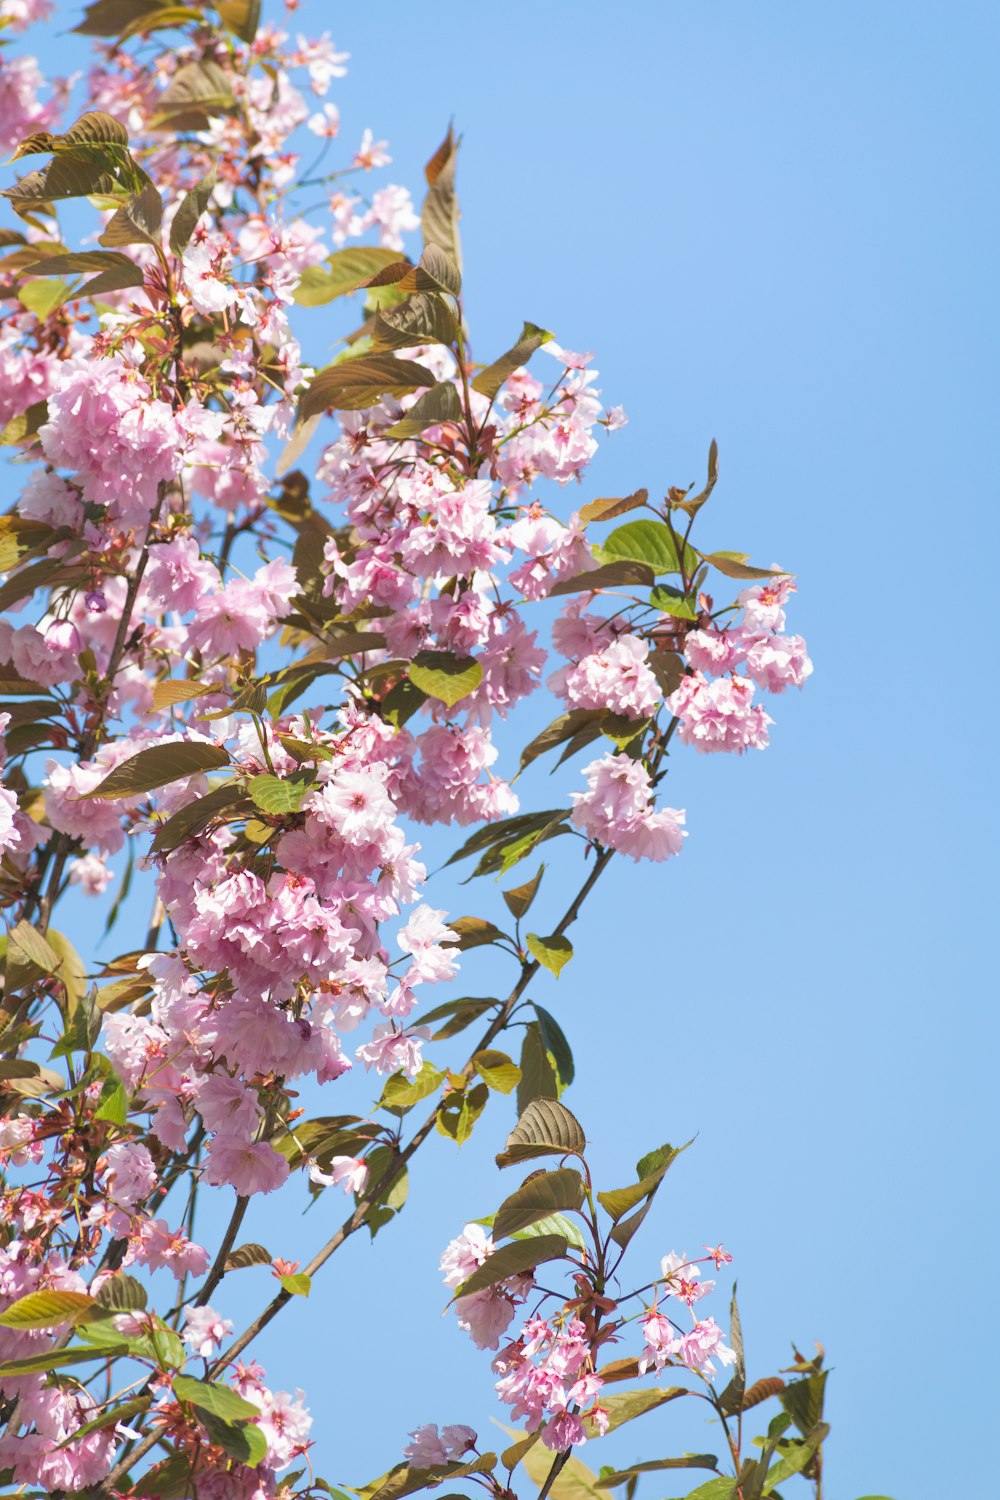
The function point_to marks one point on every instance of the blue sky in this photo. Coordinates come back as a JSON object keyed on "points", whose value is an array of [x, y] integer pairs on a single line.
{"points": [[775, 225]]}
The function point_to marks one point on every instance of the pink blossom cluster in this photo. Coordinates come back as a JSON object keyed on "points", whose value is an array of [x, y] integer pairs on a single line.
{"points": [[617, 811]]}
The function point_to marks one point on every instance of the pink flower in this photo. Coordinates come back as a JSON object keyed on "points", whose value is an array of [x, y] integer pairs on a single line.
{"points": [[421, 937], [486, 1315], [248, 1166], [564, 1430], [429, 1448], [155, 1244], [9, 835], [349, 1171], [776, 662], [616, 810], [285, 1423], [392, 1051], [91, 874], [717, 716], [372, 153], [204, 1330], [131, 1175], [464, 1253], [703, 1343], [615, 678]]}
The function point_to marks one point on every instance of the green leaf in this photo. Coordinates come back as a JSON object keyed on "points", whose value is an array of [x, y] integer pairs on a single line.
{"points": [[47, 1309], [803, 1400], [628, 1405], [519, 899], [489, 381], [121, 1293], [497, 1070], [113, 1103], [610, 575], [650, 1171], [194, 817], [459, 1111], [115, 271], [546, 1128], [423, 318], [539, 1078], [445, 677], [196, 91], [794, 1457], [24, 425], [402, 1093], [219, 1400], [58, 1359], [513, 1259], [686, 1461], [650, 543], [136, 222], [244, 1441], [440, 404], [242, 17], [192, 206], [556, 1043], [695, 502], [607, 509], [32, 948], [439, 264], [457, 1015], [353, 384], [565, 727], [553, 953], [43, 297], [554, 1224], [502, 829], [675, 602], [297, 1285], [731, 1399], [344, 272], [547, 1193], [574, 1481], [278, 795], [715, 1489], [158, 765], [734, 565]]}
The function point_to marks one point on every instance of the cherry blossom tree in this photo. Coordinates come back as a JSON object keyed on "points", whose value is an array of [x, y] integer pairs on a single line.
{"points": [[261, 624]]}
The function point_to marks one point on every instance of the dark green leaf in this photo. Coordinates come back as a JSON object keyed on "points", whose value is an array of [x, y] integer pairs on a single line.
{"points": [[611, 575], [194, 817], [192, 206], [546, 1193], [686, 1461], [513, 1259], [731, 1399], [440, 404], [489, 381], [244, 1441], [547, 1128], [457, 1015], [345, 271], [122, 1293], [539, 1079], [356, 383], [650, 1171], [555, 1041], [158, 765], [219, 1400]]}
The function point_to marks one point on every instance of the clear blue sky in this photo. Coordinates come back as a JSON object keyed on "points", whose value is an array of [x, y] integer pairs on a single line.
{"points": [[776, 224]]}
